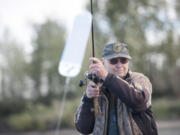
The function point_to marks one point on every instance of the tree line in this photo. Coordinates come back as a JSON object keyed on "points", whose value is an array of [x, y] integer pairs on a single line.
{"points": [[34, 77]]}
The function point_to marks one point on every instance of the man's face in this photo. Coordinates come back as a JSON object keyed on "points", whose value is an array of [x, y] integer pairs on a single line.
{"points": [[118, 66]]}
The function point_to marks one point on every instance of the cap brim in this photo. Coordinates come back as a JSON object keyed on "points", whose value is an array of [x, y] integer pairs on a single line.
{"points": [[116, 56]]}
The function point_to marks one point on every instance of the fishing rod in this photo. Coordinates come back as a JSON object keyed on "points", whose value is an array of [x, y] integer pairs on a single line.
{"points": [[90, 76], [92, 30]]}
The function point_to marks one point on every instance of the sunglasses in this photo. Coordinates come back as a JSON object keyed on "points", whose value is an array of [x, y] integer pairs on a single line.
{"points": [[115, 60]]}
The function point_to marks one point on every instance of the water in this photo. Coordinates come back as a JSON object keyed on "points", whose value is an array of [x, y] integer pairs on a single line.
{"points": [[169, 131], [164, 128], [168, 127]]}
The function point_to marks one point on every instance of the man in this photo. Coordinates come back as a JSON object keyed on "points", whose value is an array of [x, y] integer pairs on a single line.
{"points": [[124, 97]]}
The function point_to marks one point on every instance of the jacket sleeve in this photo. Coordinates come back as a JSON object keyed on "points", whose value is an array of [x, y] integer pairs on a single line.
{"points": [[84, 118], [135, 96]]}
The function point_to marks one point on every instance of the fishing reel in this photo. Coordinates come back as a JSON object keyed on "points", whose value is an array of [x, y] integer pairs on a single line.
{"points": [[91, 77]]}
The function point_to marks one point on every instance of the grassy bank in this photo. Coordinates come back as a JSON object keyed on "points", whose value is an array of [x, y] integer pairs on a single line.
{"points": [[42, 117], [166, 109]]}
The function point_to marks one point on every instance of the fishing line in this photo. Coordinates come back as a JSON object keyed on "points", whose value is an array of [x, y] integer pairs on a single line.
{"points": [[62, 106]]}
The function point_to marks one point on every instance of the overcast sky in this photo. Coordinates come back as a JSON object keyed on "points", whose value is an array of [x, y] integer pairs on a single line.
{"points": [[18, 15]]}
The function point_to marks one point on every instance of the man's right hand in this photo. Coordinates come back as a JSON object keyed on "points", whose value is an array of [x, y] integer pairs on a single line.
{"points": [[92, 90]]}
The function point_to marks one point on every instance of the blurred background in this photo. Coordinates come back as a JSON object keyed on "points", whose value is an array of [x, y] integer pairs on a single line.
{"points": [[32, 37]]}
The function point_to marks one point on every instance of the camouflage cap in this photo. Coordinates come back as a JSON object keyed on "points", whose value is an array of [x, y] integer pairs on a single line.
{"points": [[114, 50]]}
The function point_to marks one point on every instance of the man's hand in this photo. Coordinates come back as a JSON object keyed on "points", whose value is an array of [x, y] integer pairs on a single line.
{"points": [[92, 90], [98, 68]]}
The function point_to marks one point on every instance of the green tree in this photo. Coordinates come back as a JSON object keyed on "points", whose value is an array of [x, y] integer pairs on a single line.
{"points": [[48, 46], [12, 69], [13, 76], [169, 71]]}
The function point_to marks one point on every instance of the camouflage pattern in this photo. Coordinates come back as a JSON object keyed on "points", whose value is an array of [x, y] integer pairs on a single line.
{"points": [[101, 117], [114, 50], [141, 83]]}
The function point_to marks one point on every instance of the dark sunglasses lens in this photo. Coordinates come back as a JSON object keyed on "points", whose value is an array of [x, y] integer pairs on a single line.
{"points": [[123, 60], [114, 61]]}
